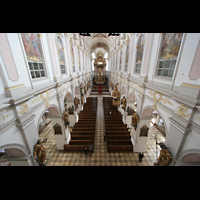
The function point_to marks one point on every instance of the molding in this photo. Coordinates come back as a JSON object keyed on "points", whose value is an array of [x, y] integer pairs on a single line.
{"points": [[8, 125], [10, 88], [190, 85], [179, 125]]}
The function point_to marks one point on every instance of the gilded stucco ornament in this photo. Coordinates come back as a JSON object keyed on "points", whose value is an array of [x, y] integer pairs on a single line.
{"points": [[2, 118], [43, 96], [197, 118], [23, 108], [182, 109], [160, 98]]}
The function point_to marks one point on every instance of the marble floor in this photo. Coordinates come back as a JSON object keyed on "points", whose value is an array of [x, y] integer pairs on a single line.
{"points": [[100, 157]]}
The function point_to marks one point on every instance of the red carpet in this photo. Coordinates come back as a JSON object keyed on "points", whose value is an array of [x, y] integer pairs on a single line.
{"points": [[99, 89]]}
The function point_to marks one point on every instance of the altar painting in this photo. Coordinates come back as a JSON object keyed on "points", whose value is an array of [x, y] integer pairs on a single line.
{"points": [[170, 45], [140, 47], [60, 50], [32, 46]]}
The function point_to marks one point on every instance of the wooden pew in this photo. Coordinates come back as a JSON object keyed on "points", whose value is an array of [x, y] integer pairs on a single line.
{"points": [[84, 125], [113, 122], [116, 125], [119, 148], [83, 121], [116, 129], [117, 132], [82, 137], [82, 133], [118, 137], [84, 130], [81, 142]]}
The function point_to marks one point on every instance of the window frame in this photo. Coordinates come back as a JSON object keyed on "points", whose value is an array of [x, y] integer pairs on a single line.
{"points": [[139, 63], [63, 64], [173, 58], [34, 70], [31, 61]]}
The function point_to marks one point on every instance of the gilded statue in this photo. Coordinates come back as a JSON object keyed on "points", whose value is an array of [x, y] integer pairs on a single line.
{"points": [[40, 151], [76, 102], [123, 101], [85, 90], [65, 117], [99, 75], [135, 120], [164, 159], [116, 93]]}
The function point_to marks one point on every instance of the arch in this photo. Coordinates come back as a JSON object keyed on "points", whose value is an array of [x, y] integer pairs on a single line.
{"points": [[77, 90], [190, 155], [147, 112], [54, 111], [131, 97], [22, 150], [84, 81], [68, 96], [123, 90]]}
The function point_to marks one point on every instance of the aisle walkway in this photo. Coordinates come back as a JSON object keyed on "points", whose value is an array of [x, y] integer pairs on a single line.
{"points": [[100, 157]]}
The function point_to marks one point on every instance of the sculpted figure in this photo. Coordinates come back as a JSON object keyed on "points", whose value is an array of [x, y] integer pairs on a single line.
{"points": [[76, 102], [164, 159], [135, 120], [123, 101], [65, 117], [40, 151]]}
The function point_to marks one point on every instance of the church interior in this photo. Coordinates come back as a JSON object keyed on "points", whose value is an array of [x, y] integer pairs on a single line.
{"points": [[99, 99]]}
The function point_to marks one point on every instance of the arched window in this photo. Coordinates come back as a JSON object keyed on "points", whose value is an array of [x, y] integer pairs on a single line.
{"points": [[32, 46], [120, 64], [126, 59], [60, 50], [72, 56], [168, 55], [139, 54]]}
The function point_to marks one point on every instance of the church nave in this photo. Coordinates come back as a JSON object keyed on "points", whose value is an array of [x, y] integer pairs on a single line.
{"points": [[100, 157]]}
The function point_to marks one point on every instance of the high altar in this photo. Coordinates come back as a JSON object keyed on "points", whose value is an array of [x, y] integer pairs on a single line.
{"points": [[99, 73]]}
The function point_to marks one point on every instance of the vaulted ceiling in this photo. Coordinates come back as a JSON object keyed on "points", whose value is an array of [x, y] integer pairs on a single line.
{"points": [[100, 42]]}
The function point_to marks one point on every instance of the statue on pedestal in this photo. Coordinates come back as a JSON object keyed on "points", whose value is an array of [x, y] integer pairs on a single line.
{"points": [[164, 159], [40, 152], [100, 76], [123, 101], [135, 120], [76, 102], [65, 117]]}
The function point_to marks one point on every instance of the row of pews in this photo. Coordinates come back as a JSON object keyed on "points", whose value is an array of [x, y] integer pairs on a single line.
{"points": [[118, 136], [84, 130]]}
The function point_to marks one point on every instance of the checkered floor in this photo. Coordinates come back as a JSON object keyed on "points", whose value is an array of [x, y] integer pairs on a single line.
{"points": [[100, 157]]}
